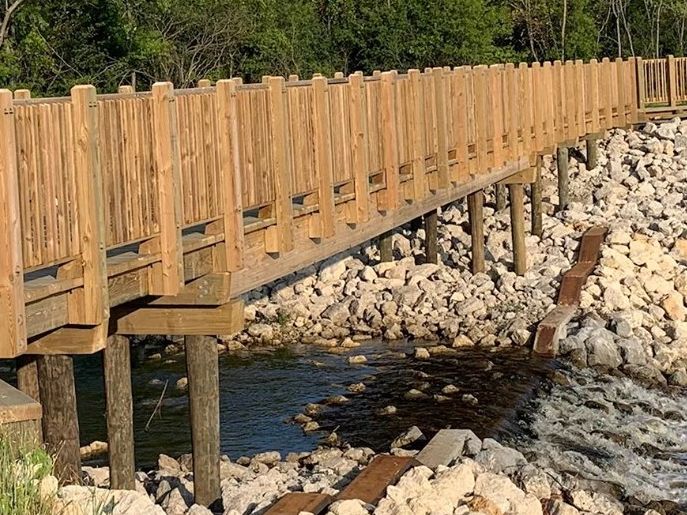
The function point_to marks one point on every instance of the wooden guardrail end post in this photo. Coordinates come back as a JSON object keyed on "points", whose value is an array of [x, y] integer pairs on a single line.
{"points": [[168, 277], [89, 305], [13, 329]]}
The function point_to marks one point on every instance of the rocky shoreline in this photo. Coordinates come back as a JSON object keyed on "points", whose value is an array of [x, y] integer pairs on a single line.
{"points": [[632, 322]]}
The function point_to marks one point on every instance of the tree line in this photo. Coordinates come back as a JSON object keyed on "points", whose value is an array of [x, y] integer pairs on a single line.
{"points": [[48, 46]]}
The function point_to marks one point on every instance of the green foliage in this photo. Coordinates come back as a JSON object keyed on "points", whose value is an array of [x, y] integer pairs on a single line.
{"points": [[21, 471], [54, 44]]}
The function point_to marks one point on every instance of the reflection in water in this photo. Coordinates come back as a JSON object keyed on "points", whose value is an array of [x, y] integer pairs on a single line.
{"points": [[260, 392]]}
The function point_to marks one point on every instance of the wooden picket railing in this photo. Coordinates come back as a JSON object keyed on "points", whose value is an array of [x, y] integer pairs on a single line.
{"points": [[87, 180], [662, 82]]}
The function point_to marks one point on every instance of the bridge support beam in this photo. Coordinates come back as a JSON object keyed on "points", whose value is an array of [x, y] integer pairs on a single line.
{"points": [[535, 193], [431, 221], [475, 213], [517, 224], [562, 163], [386, 250], [203, 393], [60, 420], [120, 426], [591, 142]]}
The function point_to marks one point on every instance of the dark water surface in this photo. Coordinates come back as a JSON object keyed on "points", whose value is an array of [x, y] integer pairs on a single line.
{"points": [[261, 391]]}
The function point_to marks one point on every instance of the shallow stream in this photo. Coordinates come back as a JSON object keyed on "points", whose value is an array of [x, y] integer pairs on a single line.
{"points": [[587, 425]]}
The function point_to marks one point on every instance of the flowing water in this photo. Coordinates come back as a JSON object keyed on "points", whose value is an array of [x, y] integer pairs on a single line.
{"points": [[588, 425]]}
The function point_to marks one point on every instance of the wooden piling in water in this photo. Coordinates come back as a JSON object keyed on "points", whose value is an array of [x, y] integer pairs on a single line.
{"points": [[28, 382], [119, 405], [562, 163], [500, 191], [60, 420], [431, 219], [592, 152], [535, 193], [517, 224], [203, 393], [475, 213], [385, 241]]}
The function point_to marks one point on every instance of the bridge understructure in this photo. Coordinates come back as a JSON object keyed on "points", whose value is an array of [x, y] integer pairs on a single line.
{"points": [[151, 212]]}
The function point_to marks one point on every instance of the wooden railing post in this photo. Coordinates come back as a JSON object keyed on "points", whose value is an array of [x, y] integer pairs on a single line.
{"points": [[559, 102], [282, 240], [594, 95], [641, 84], [415, 124], [230, 169], [481, 103], [441, 129], [496, 81], [633, 93], [672, 81], [13, 328], [359, 155], [606, 100], [323, 157], [167, 278], [525, 98], [512, 107], [388, 199], [622, 102], [538, 109], [568, 92], [580, 114], [460, 124], [88, 305]]}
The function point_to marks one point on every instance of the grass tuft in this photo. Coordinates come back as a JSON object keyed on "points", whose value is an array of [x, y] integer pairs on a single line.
{"points": [[22, 469]]}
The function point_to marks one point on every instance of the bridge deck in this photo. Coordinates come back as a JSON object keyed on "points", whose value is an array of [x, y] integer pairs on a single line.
{"points": [[182, 200]]}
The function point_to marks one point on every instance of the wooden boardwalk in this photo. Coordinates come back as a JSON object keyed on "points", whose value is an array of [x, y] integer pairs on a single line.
{"points": [[151, 212]]}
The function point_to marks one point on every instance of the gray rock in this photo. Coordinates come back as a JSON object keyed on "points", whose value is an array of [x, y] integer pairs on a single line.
{"points": [[497, 458], [410, 436]]}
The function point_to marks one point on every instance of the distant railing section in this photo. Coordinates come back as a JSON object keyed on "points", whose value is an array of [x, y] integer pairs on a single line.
{"points": [[89, 172], [662, 82]]}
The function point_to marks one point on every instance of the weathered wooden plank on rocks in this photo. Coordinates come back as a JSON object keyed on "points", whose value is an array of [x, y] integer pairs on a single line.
{"points": [[296, 502], [552, 329], [571, 285], [591, 244], [370, 485]]}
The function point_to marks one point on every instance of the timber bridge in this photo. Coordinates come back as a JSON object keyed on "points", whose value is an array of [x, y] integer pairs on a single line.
{"points": [[152, 212]]}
